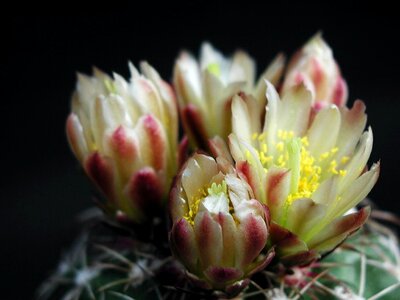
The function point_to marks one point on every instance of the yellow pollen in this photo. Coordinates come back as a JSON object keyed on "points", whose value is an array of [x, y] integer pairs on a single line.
{"points": [[344, 159], [310, 170]]}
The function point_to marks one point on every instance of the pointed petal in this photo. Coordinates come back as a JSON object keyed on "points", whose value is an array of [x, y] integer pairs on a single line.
{"points": [[229, 237], [247, 172], [202, 168], [101, 170], [194, 126], [294, 112], [357, 163], [125, 150], [219, 149], [351, 128], [357, 191], [272, 73], [324, 130], [277, 190], [286, 243], [183, 244], [338, 230], [253, 233], [153, 142], [241, 119], [340, 92], [242, 69], [209, 239], [303, 215], [76, 137]]}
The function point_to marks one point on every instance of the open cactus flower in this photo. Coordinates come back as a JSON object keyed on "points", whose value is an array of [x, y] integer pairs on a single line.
{"points": [[205, 88], [308, 167], [262, 199], [219, 231], [125, 136]]}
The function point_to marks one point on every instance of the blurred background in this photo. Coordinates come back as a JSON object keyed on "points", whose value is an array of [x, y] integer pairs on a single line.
{"points": [[45, 189]]}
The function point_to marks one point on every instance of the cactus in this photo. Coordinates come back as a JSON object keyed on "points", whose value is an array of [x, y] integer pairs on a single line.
{"points": [[270, 210], [101, 265]]}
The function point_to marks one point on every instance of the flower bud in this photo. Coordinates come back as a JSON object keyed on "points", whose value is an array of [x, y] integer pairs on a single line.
{"points": [[205, 89], [315, 66], [125, 136]]}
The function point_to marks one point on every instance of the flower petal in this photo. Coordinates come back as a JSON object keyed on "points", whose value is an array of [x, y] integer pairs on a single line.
{"points": [[201, 167], [76, 137], [194, 125], [101, 170], [286, 243], [146, 191], [338, 230], [277, 190], [253, 233], [183, 243], [324, 130], [209, 239], [153, 142]]}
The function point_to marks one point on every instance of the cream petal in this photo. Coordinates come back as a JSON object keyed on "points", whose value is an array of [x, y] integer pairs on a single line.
{"points": [[123, 146], [351, 128], [241, 119], [253, 233], [324, 130], [303, 215], [294, 110], [327, 191], [230, 239], [202, 168], [356, 192], [359, 160], [242, 69], [101, 119], [209, 239], [187, 80], [333, 234], [153, 142], [184, 244], [277, 190], [273, 74], [76, 137], [271, 124]]}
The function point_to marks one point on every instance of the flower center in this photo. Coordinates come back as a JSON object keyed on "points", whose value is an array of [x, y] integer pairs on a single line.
{"points": [[214, 199], [307, 171]]}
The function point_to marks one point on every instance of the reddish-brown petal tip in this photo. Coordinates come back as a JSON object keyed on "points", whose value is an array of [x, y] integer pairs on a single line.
{"points": [[100, 170], [145, 190]]}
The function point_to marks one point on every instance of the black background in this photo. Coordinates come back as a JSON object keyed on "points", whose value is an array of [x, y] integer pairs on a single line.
{"points": [[43, 188]]}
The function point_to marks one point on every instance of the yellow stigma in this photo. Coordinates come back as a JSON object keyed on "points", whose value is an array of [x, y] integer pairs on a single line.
{"points": [[217, 189], [307, 171]]}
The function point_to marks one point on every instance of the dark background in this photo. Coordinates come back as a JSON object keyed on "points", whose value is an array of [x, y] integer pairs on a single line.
{"points": [[43, 188]]}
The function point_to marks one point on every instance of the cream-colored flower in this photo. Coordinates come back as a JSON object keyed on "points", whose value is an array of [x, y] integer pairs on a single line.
{"points": [[315, 66], [125, 136], [205, 89], [307, 166]]}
